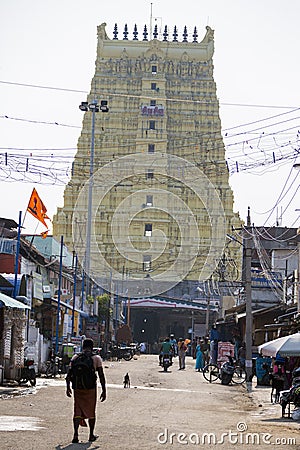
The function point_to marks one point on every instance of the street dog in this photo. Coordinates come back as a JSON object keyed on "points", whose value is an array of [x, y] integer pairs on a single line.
{"points": [[126, 381]]}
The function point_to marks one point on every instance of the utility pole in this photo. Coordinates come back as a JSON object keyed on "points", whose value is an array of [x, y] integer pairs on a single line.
{"points": [[59, 293], [17, 256], [207, 310], [75, 258], [248, 292]]}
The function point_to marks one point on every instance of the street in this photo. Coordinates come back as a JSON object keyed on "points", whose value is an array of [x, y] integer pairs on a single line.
{"points": [[160, 410]]}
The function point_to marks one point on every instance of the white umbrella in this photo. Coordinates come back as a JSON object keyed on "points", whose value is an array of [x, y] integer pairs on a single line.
{"points": [[285, 346]]}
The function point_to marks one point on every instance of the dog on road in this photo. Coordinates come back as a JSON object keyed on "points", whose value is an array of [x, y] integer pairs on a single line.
{"points": [[126, 381]]}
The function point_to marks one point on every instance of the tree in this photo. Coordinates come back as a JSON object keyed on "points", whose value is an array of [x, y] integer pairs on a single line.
{"points": [[104, 309]]}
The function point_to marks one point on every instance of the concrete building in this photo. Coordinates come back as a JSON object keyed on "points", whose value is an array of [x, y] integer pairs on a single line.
{"points": [[152, 168]]}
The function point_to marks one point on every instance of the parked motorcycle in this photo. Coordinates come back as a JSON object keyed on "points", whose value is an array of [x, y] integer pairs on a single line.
{"points": [[27, 372], [227, 371], [119, 352], [53, 367], [135, 348], [166, 361]]}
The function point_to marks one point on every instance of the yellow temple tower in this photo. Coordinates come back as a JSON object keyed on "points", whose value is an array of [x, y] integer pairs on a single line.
{"points": [[149, 204]]}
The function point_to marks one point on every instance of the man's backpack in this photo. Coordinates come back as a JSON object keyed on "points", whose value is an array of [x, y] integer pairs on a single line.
{"points": [[83, 375]]}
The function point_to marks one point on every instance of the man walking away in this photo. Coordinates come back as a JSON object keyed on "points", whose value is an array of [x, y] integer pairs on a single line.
{"points": [[82, 375]]}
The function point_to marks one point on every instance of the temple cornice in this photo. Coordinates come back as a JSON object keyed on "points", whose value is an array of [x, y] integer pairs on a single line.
{"points": [[155, 48]]}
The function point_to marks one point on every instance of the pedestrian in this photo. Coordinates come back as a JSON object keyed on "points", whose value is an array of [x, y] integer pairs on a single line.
{"points": [[214, 339], [277, 380], [199, 357], [182, 348], [174, 343], [205, 350], [143, 347], [193, 347], [241, 355], [82, 375]]}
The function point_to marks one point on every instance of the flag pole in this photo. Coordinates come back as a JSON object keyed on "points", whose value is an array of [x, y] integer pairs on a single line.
{"points": [[26, 210], [17, 255]]}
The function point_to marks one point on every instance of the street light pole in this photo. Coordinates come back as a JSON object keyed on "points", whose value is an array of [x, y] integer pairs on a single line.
{"points": [[93, 107], [59, 294], [248, 293], [207, 293]]}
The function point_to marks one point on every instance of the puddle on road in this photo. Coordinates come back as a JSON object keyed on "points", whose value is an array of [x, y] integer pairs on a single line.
{"points": [[20, 423], [53, 382]]}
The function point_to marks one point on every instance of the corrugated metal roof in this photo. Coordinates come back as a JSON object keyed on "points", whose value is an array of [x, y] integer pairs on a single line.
{"points": [[10, 302]]}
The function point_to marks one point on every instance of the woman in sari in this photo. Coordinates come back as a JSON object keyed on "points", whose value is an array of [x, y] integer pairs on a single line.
{"points": [[199, 358]]}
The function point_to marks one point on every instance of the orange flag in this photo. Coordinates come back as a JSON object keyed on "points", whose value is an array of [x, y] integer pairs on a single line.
{"points": [[37, 208], [44, 234]]}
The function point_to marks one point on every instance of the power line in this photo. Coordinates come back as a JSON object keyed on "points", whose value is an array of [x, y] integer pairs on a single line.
{"points": [[138, 96], [38, 86], [39, 122]]}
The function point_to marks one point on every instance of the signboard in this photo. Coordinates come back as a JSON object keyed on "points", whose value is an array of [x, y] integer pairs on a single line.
{"points": [[92, 329], [225, 349], [37, 286], [149, 110], [260, 280]]}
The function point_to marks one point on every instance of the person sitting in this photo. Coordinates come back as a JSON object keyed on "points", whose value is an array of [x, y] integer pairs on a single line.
{"points": [[293, 395]]}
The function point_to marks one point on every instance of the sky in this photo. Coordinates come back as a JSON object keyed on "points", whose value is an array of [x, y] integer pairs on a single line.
{"points": [[47, 61]]}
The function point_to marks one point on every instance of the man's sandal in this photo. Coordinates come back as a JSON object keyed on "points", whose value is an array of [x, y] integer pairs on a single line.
{"points": [[93, 438]]}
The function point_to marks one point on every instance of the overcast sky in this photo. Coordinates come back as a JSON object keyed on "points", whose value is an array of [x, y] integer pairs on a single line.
{"points": [[53, 44]]}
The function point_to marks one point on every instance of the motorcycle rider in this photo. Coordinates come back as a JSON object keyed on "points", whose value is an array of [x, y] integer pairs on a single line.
{"points": [[167, 348]]}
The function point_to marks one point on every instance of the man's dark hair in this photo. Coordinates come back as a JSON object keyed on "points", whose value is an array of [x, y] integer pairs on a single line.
{"points": [[88, 343]]}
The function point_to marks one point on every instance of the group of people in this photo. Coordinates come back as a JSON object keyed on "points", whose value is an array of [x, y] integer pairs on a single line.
{"points": [[171, 347], [200, 350]]}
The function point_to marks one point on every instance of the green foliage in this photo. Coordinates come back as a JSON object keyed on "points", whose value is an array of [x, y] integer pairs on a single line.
{"points": [[90, 300], [104, 306]]}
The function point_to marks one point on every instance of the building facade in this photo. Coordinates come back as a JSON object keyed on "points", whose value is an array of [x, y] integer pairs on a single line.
{"points": [[152, 169]]}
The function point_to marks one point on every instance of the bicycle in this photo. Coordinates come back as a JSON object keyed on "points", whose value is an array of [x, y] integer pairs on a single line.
{"points": [[212, 372]]}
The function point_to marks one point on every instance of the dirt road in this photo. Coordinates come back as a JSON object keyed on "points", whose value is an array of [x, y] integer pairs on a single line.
{"points": [[161, 410]]}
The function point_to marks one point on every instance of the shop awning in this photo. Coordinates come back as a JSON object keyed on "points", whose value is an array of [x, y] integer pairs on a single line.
{"points": [[10, 302], [7, 281]]}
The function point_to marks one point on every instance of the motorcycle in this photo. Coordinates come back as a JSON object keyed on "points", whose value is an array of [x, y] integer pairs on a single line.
{"points": [[135, 349], [166, 361], [119, 352], [53, 367], [28, 372], [227, 371]]}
